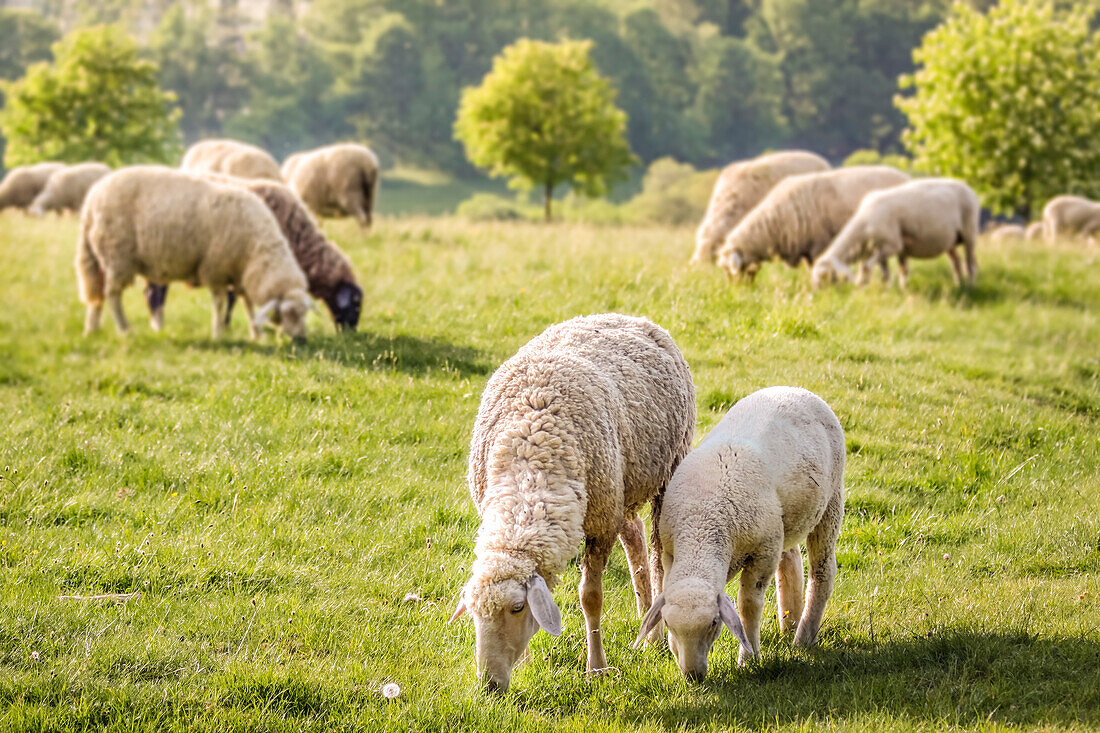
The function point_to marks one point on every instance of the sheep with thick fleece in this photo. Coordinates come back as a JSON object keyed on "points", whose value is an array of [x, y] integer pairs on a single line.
{"points": [[1066, 217], [767, 478], [328, 270], [337, 180], [578, 430], [1034, 232], [923, 219], [65, 190], [22, 184], [740, 187], [168, 225], [800, 216], [1008, 233], [231, 158]]}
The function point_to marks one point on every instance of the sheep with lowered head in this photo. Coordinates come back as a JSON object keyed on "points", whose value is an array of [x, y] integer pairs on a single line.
{"points": [[1008, 233], [800, 216], [338, 180], [1066, 217], [1034, 232], [768, 478], [23, 183], [328, 270], [740, 187], [231, 158], [65, 190], [167, 225], [923, 219], [579, 429]]}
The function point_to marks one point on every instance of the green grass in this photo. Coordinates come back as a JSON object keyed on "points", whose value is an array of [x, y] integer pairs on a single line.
{"points": [[274, 503]]}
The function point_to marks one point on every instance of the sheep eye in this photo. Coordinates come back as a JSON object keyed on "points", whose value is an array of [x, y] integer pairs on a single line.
{"points": [[518, 608], [714, 623]]}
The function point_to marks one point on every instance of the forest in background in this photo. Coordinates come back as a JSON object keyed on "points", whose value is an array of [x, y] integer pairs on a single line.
{"points": [[702, 81]]}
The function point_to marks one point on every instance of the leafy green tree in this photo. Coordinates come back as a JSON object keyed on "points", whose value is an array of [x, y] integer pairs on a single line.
{"points": [[25, 37], [1008, 102], [97, 101], [543, 116]]}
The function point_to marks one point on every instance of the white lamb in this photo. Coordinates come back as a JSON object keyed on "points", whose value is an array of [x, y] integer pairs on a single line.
{"points": [[769, 477], [923, 218], [578, 430]]}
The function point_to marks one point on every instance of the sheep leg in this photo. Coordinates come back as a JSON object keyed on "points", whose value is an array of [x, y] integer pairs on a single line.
{"points": [[821, 548], [93, 313], [971, 262], [253, 332], [884, 265], [656, 563], [903, 272], [114, 302], [789, 580], [755, 576], [956, 266], [221, 311], [864, 275], [632, 538], [591, 592]]}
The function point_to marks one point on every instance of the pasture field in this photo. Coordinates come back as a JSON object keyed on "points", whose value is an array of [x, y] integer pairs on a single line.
{"points": [[274, 503]]}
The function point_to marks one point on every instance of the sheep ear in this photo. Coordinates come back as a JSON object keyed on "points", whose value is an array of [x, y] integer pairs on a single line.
{"points": [[652, 618], [542, 604], [460, 610], [260, 319], [732, 620]]}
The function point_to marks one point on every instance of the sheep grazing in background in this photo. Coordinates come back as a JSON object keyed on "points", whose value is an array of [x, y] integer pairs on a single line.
{"points": [[167, 225], [21, 185], [1008, 233], [65, 190], [923, 218], [1069, 217], [338, 180], [578, 430], [767, 478], [328, 270], [231, 158], [1034, 232], [800, 216], [740, 187]]}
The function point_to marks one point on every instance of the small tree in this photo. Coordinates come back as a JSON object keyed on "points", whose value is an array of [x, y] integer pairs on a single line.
{"points": [[97, 101], [543, 116], [1008, 102]]}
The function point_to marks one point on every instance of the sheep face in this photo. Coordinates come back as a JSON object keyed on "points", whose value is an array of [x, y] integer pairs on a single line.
{"points": [[288, 312], [828, 271], [737, 265], [345, 304]]}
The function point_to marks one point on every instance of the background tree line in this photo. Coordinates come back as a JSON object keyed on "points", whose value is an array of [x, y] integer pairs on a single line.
{"points": [[703, 81]]}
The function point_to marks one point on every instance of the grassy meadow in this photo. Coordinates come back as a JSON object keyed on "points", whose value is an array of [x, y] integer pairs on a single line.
{"points": [[274, 504]]}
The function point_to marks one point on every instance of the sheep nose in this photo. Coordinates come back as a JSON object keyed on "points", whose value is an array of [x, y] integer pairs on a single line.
{"points": [[494, 686], [695, 675]]}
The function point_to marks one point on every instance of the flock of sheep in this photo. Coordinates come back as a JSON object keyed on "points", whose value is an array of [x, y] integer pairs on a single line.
{"points": [[592, 419], [229, 219], [791, 206]]}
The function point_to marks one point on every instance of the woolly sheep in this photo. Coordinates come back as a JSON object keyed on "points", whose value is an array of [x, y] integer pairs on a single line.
{"points": [[740, 187], [769, 477], [231, 158], [22, 184], [65, 190], [579, 429], [338, 180], [1034, 231], [327, 268], [168, 225], [923, 218], [799, 217], [1008, 233], [1065, 217]]}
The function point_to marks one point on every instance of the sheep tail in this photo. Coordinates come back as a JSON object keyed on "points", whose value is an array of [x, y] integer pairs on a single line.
{"points": [[89, 272]]}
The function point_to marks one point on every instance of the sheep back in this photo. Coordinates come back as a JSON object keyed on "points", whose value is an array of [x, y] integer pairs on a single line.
{"points": [[231, 158], [1067, 216], [22, 184], [66, 188]]}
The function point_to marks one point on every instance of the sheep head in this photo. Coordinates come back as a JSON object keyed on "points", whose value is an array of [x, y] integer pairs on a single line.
{"points": [[288, 312], [829, 270], [506, 614], [345, 303], [694, 616]]}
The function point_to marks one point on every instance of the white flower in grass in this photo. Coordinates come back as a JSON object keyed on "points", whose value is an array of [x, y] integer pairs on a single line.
{"points": [[34, 656], [390, 690]]}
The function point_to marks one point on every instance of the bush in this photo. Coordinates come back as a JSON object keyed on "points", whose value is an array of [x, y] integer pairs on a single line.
{"points": [[672, 193], [491, 207]]}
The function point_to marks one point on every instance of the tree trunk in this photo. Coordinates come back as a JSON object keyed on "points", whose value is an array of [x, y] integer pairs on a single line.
{"points": [[547, 196]]}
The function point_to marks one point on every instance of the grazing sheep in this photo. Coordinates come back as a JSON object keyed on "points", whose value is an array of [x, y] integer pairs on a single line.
{"points": [[22, 184], [338, 180], [1066, 217], [231, 158], [1034, 231], [740, 187], [799, 217], [584, 425], [1008, 233], [167, 225], [327, 269], [923, 218], [65, 190], [769, 477]]}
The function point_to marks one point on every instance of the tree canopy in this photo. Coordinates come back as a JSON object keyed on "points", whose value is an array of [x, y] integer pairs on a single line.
{"points": [[544, 117], [96, 101]]}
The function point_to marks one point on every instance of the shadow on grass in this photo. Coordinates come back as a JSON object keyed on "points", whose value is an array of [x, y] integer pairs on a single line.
{"points": [[368, 351], [996, 285], [961, 677]]}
